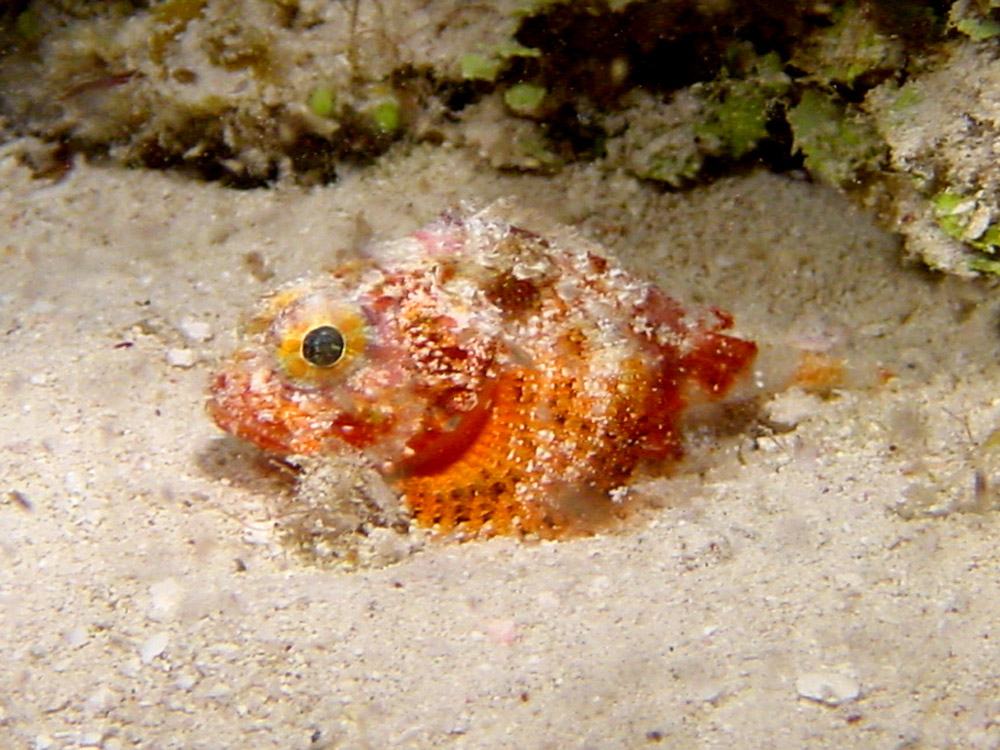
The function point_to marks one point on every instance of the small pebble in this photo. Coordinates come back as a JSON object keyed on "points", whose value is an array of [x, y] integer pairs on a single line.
{"points": [[195, 330], [502, 632], [185, 681], [76, 636], [130, 667], [164, 598], [831, 688], [153, 647], [100, 701], [181, 357], [74, 483], [793, 406]]}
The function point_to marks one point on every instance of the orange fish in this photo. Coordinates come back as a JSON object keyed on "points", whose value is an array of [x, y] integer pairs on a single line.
{"points": [[502, 381]]}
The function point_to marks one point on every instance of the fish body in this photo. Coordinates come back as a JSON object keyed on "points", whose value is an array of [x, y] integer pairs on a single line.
{"points": [[501, 380]]}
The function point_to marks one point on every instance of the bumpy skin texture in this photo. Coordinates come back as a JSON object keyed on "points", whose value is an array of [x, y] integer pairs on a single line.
{"points": [[503, 381]]}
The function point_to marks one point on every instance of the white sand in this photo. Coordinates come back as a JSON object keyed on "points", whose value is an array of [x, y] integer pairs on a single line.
{"points": [[147, 604]]}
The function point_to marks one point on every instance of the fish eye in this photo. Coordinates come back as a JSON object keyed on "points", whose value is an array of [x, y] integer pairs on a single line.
{"points": [[323, 346]]}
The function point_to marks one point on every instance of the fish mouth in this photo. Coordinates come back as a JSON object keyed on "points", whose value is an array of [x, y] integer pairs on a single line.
{"points": [[249, 407], [252, 403]]}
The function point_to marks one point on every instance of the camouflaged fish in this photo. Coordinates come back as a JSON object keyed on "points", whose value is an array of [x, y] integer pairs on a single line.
{"points": [[502, 381]]}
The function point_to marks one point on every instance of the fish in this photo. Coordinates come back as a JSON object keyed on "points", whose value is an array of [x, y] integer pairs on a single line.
{"points": [[503, 381]]}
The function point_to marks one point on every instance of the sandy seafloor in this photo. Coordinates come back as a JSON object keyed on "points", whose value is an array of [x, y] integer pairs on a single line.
{"points": [[146, 603]]}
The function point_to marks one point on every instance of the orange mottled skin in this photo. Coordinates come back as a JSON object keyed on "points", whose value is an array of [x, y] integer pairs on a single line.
{"points": [[503, 381]]}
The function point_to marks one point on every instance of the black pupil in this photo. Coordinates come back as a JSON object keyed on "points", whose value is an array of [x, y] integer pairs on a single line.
{"points": [[323, 346]]}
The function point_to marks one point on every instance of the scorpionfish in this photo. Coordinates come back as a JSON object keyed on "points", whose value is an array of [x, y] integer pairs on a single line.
{"points": [[501, 380]]}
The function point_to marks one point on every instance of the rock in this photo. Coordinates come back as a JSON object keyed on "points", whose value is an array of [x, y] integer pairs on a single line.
{"points": [[831, 688]]}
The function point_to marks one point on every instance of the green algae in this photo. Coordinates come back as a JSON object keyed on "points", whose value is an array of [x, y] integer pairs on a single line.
{"points": [[837, 143]]}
